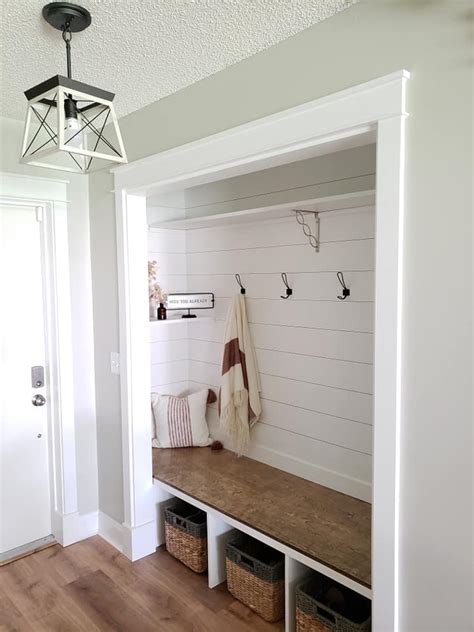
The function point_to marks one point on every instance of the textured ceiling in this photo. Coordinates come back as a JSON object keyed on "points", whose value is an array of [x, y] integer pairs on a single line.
{"points": [[144, 50]]}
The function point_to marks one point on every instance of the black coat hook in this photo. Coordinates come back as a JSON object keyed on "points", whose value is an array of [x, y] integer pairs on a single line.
{"points": [[345, 290], [289, 291], [237, 278]]}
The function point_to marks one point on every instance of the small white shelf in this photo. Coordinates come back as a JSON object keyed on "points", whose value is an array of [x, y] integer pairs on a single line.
{"points": [[175, 321], [321, 205]]}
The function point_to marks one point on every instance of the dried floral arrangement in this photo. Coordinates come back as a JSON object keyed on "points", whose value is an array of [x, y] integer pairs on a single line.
{"points": [[156, 294]]}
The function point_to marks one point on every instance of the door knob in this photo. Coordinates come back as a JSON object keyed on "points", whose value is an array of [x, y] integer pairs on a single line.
{"points": [[38, 400]]}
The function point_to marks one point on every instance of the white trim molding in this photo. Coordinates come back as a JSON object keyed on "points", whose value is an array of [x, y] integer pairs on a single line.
{"points": [[317, 127], [73, 527], [111, 531], [132, 542]]}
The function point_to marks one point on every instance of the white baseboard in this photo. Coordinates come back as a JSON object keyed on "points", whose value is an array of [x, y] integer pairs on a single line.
{"points": [[316, 474], [73, 527], [112, 531], [135, 543], [140, 541]]}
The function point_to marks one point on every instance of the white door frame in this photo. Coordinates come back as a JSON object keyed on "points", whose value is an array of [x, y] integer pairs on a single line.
{"points": [[376, 105], [49, 199]]}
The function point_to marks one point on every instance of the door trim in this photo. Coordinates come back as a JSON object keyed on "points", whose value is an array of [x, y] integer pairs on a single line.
{"points": [[49, 198], [378, 105]]}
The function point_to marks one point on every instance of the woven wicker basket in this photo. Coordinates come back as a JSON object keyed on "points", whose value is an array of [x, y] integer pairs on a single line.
{"points": [[255, 576], [186, 535], [324, 606]]}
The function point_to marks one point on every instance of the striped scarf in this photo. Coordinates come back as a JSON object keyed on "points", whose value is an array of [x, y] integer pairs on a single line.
{"points": [[239, 395]]}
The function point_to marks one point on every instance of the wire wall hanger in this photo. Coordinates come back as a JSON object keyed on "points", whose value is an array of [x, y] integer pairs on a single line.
{"points": [[288, 290], [313, 238], [242, 289], [345, 290]]}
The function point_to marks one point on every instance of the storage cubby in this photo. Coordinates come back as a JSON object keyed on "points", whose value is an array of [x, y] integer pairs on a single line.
{"points": [[256, 576], [298, 568], [186, 535]]}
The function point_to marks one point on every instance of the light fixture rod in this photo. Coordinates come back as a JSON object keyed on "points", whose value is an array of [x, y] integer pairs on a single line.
{"points": [[67, 37]]}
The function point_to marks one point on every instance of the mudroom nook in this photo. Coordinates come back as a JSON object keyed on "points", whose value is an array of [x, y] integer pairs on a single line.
{"points": [[297, 242]]}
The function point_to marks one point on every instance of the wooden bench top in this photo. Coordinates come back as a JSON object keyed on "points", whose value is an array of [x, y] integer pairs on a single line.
{"points": [[325, 525]]}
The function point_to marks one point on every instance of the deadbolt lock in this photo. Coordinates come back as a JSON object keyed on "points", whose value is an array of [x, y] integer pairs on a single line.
{"points": [[37, 376]]}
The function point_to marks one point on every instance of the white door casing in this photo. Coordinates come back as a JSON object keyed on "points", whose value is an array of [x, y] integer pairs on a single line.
{"points": [[48, 198], [283, 137], [24, 496]]}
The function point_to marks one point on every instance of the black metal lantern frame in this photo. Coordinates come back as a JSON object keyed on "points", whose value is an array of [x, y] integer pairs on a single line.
{"points": [[70, 125]]}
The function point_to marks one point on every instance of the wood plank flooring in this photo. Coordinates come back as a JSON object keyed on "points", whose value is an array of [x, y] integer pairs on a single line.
{"points": [[325, 525], [91, 587]]}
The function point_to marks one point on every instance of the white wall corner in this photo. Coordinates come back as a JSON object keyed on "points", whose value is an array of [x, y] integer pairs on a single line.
{"points": [[73, 527], [111, 530]]}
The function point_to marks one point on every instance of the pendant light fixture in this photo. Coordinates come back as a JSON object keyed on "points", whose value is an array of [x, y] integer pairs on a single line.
{"points": [[70, 125]]}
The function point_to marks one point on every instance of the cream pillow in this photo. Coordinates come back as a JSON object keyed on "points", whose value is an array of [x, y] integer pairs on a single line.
{"points": [[180, 422]]}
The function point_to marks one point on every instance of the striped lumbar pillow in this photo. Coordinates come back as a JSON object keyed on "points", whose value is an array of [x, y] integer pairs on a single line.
{"points": [[180, 422]]}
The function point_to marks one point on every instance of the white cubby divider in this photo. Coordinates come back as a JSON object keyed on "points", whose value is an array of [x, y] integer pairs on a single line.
{"points": [[162, 500], [294, 573], [221, 527], [218, 533]]}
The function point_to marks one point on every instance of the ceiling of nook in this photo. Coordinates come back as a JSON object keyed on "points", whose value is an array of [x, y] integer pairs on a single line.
{"points": [[144, 50]]}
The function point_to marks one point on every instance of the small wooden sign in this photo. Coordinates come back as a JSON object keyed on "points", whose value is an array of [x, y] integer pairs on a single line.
{"points": [[190, 301]]}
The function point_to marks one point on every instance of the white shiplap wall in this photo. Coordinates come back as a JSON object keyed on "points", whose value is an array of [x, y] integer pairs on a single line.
{"points": [[315, 353], [169, 343]]}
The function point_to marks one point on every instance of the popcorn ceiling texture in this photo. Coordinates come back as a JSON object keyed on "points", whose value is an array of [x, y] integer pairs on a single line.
{"points": [[144, 50]]}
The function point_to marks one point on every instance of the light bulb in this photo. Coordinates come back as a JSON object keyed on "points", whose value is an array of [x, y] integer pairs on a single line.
{"points": [[73, 126], [72, 134]]}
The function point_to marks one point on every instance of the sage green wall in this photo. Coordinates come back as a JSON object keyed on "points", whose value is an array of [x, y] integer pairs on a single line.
{"points": [[371, 39]]}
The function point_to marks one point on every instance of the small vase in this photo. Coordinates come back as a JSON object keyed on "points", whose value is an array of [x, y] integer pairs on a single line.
{"points": [[161, 312]]}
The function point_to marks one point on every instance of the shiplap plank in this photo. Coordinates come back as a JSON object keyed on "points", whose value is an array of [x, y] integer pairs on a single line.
{"points": [[306, 286], [334, 315], [172, 283], [334, 227], [330, 401], [166, 241], [162, 331], [169, 372], [168, 264], [347, 255], [336, 373], [340, 432], [312, 471], [356, 347], [330, 315], [331, 457], [175, 388], [168, 351], [324, 399], [349, 224], [340, 345], [347, 461]]}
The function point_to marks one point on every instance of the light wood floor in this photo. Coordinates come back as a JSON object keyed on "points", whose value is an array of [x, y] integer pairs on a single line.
{"points": [[90, 586]]}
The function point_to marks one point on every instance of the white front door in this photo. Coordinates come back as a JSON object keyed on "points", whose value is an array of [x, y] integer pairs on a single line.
{"points": [[25, 508]]}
